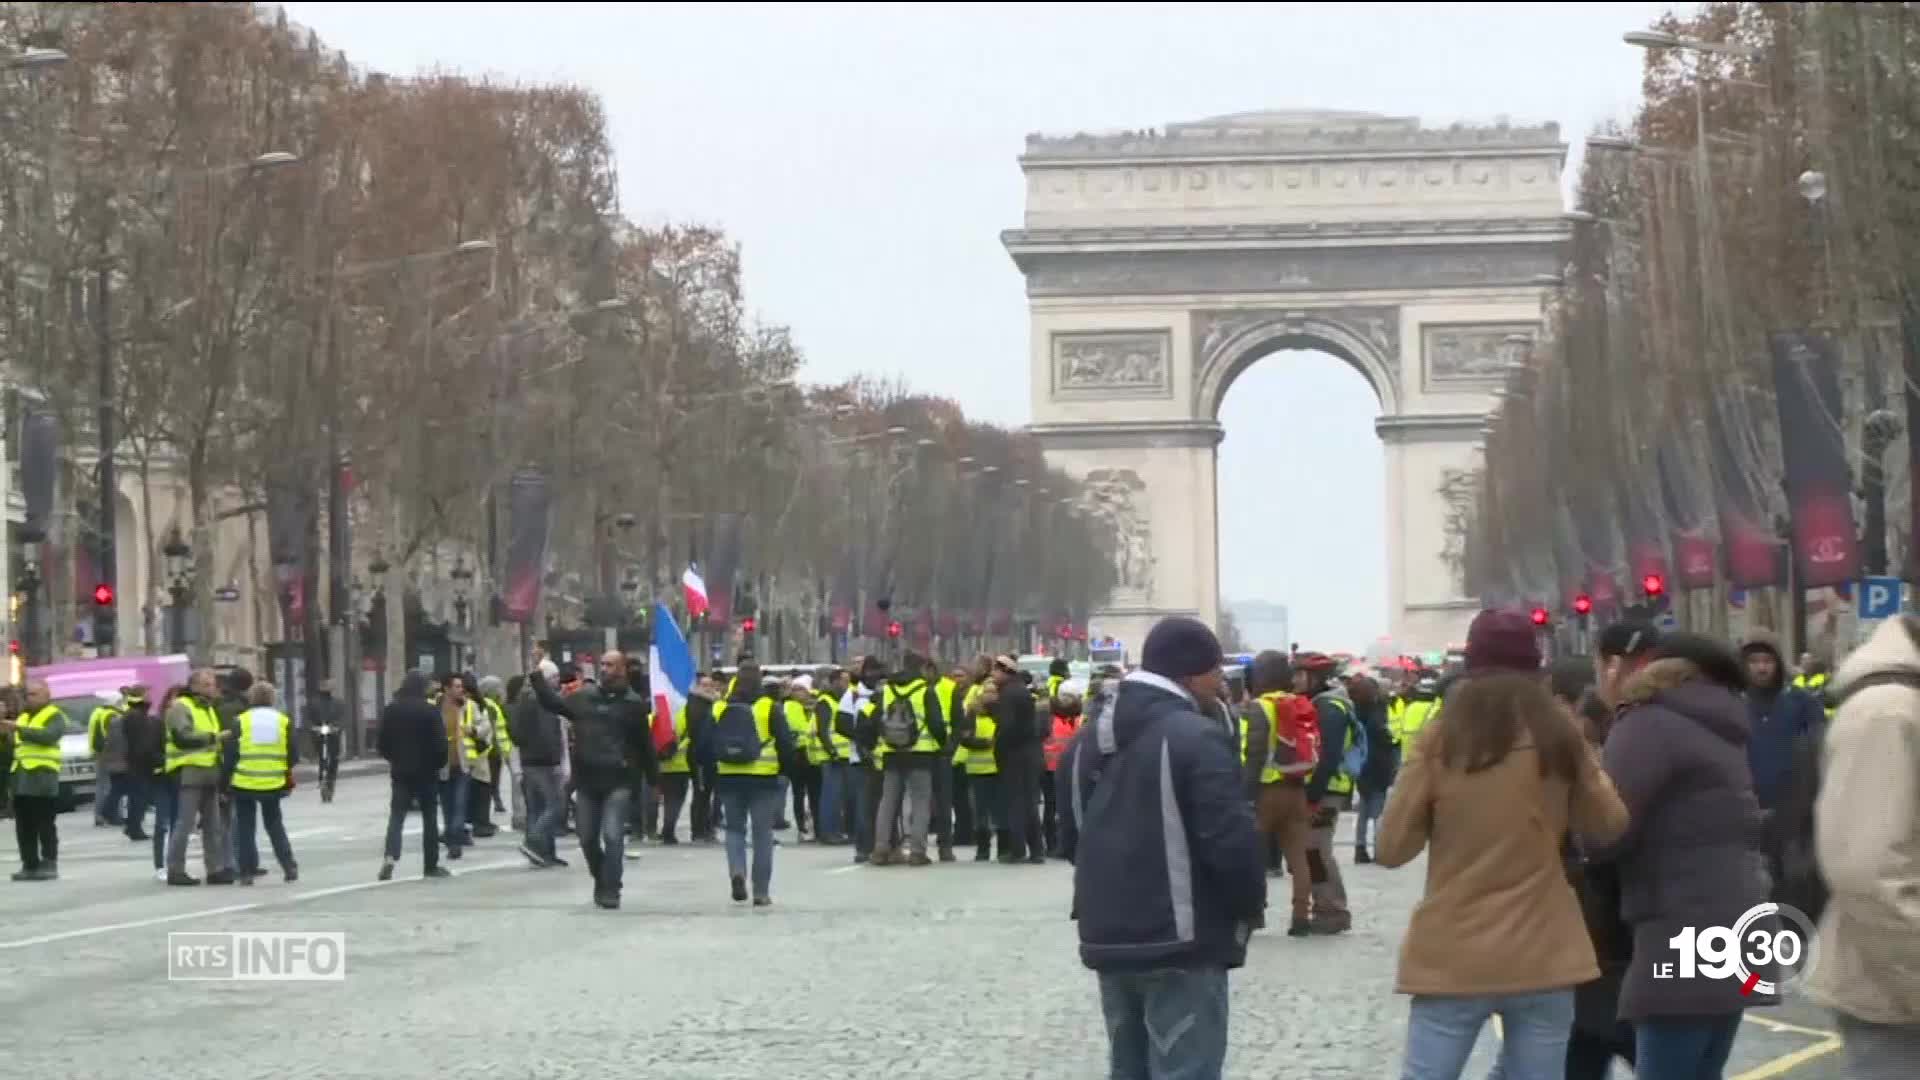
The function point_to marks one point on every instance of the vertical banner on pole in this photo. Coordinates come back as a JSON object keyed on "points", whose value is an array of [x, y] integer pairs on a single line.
{"points": [[1806, 383], [39, 450], [529, 503], [1747, 543]]}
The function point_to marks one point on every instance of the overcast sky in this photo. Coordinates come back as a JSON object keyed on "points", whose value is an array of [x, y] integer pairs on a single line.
{"points": [[863, 155]]}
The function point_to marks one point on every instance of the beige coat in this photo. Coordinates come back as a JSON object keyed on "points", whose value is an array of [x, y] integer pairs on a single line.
{"points": [[478, 770], [1867, 837], [1498, 916]]}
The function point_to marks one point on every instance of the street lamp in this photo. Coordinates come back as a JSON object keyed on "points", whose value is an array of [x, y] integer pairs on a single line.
{"points": [[273, 159], [470, 247], [1611, 142], [179, 557], [462, 577]]}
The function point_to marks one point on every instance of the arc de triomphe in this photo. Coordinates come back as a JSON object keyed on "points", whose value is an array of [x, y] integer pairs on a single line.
{"points": [[1161, 264]]}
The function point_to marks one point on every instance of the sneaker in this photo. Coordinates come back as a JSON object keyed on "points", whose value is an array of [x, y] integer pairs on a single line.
{"points": [[739, 889], [608, 900], [223, 878], [763, 901], [290, 874], [160, 873], [946, 854], [982, 856], [1360, 857], [1299, 928], [258, 871], [1327, 927], [632, 854], [137, 836], [882, 858], [453, 853], [919, 858], [245, 879], [182, 879], [555, 860], [669, 841], [534, 857], [1036, 860], [23, 874], [386, 871], [858, 858], [436, 872]]}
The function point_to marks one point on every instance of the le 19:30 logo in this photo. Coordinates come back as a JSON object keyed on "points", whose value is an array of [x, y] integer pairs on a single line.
{"points": [[1768, 940]]}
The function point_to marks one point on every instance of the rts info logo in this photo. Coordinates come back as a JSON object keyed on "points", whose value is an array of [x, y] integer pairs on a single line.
{"points": [[1771, 940]]}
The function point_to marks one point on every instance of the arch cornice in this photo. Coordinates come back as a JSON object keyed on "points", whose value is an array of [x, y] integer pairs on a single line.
{"points": [[1228, 341]]}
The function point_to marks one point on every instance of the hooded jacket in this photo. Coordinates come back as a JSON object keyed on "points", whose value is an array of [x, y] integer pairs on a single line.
{"points": [[1690, 855], [1336, 713], [1867, 836], [1780, 718], [1167, 868], [412, 739]]}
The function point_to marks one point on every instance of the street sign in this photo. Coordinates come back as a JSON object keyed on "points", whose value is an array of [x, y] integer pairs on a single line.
{"points": [[1879, 597]]}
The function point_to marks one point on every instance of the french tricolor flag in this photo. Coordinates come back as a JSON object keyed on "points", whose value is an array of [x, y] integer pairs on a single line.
{"points": [[696, 587], [670, 675]]}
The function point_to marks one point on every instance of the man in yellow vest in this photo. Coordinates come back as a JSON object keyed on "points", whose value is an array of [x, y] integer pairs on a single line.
{"points": [[195, 742], [36, 783], [106, 795], [976, 732], [858, 723], [749, 741], [803, 771], [503, 762], [1274, 762], [834, 752], [912, 740], [1329, 789], [957, 801], [263, 769]]}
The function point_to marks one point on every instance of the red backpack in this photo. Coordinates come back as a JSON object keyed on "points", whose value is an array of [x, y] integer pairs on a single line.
{"points": [[1297, 751]]}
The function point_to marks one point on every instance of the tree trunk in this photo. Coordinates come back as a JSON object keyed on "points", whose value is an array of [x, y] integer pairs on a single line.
{"points": [[395, 587], [200, 522]]}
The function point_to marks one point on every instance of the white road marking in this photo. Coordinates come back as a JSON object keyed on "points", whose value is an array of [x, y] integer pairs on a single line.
{"points": [[229, 909], [848, 869]]}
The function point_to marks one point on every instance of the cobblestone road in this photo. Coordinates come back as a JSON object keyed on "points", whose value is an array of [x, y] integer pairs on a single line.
{"points": [[956, 972]]}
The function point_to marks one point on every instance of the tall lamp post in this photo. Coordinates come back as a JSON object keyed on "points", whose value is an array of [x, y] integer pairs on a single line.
{"points": [[462, 576], [179, 557]]}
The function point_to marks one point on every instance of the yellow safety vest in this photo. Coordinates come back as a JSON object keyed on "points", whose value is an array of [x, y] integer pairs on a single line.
{"points": [[769, 761], [1053, 685], [1342, 784], [961, 754], [677, 761], [1413, 720], [800, 724], [28, 755], [205, 722], [840, 743], [97, 724], [981, 762], [262, 766], [1246, 729], [467, 738], [502, 738], [1817, 686], [1396, 715], [915, 693]]}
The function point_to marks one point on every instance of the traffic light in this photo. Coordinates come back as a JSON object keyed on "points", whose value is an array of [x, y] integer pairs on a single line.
{"points": [[1653, 585], [103, 620], [893, 629], [1583, 605], [747, 624], [1539, 616]]}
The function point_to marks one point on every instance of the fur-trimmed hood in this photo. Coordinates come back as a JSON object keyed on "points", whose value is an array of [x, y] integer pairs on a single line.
{"points": [[1677, 685]]}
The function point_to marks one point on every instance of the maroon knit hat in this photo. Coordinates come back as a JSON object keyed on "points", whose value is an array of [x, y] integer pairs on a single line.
{"points": [[1502, 641]]}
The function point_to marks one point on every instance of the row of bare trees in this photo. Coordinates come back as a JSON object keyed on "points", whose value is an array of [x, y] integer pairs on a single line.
{"points": [[1766, 187], [280, 265]]}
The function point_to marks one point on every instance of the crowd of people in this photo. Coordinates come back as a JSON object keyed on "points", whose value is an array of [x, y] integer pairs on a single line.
{"points": [[1576, 818]]}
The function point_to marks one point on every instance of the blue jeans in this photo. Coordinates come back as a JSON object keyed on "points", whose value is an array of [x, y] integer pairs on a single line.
{"points": [[601, 819], [1684, 1047], [750, 800], [1169, 1024], [1535, 1027], [1368, 807], [166, 803], [545, 808], [268, 808], [453, 809], [833, 776]]}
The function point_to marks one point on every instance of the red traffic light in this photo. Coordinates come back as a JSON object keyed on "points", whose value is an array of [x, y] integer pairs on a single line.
{"points": [[1583, 604], [103, 595], [1653, 584], [893, 629], [746, 625], [1539, 616]]}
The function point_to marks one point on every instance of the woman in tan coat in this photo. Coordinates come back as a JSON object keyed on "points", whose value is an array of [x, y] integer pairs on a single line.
{"points": [[1492, 787]]}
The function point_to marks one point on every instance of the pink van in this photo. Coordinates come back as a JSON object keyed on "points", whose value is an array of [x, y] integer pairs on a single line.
{"points": [[80, 686]]}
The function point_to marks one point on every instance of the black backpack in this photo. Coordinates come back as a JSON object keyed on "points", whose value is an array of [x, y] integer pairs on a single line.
{"points": [[736, 735], [900, 724]]}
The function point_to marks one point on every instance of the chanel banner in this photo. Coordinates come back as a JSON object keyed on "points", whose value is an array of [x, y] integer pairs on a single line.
{"points": [[1806, 384], [529, 504], [1746, 541], [39, 449], [1687, 510]]}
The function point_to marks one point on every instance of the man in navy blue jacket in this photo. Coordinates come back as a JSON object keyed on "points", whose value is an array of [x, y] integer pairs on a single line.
{"points": [[1168, 876]]}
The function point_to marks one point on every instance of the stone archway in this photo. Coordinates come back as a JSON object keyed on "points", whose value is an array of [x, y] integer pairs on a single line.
{"points": [[1162, 264]]}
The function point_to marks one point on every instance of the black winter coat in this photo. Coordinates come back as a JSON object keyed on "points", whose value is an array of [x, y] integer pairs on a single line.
{"points": [[1690, 857], [413, 737], [536, 733]]}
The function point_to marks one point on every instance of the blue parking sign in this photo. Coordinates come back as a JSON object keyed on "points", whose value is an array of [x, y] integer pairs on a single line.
{"points": [[1879, 597]]}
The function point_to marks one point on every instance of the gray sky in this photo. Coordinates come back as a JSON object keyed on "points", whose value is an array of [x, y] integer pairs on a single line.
{"points": [[864, 158]]}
